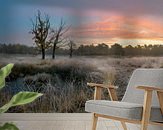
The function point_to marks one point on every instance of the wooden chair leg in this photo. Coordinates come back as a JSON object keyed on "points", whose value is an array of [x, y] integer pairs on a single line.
{"points": [[146, 110], [124, 125], [160, 98], [114, 97], [94, 122]]}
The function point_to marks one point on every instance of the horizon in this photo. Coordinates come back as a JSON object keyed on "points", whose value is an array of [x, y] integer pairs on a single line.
{"points": [[95, 45], [106, 21]]}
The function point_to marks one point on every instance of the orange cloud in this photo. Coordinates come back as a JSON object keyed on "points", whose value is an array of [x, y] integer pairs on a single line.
{"points": [[116, 26]]}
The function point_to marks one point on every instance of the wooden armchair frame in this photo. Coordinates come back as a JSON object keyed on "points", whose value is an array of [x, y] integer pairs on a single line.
{"points": [[146, 107]]}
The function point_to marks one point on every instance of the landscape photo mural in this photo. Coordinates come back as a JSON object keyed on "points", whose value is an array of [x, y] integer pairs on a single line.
{"points": [[59, 46]]}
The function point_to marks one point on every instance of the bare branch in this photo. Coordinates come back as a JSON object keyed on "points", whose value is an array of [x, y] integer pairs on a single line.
{"points": [[40, 30]]}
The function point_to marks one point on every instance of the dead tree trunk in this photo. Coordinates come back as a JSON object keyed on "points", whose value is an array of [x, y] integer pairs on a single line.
{"points": [[40, 31], [54, 50], [58, 38], [43, 53], [72, 47]]}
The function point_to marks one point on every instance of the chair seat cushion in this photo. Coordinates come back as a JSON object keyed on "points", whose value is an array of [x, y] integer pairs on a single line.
{"points": [[131, 111]]}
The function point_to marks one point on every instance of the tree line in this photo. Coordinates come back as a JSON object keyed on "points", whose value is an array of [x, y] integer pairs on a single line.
{"points": [[119, 50], [83, 50], [17, 49]]}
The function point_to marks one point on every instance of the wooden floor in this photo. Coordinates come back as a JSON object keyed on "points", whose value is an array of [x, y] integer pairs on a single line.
{"points": [[57, 121]]}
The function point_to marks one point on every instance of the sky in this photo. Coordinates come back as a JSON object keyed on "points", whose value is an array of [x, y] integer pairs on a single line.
{"points": [[92, 21]]}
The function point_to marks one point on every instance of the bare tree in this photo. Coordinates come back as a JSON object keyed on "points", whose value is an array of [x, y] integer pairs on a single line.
{"points": [[40, 30], [72, 47], [57, 37]]}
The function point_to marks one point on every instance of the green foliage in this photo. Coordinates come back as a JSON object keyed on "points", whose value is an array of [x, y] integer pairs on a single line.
{"points": [[4, 72], [19, 99], [8, 126]]}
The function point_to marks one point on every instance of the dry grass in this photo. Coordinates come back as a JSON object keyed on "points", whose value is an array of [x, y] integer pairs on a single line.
{"points": [[63, 81]]}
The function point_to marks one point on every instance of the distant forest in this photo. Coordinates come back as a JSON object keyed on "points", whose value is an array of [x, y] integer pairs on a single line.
{"points": [[100, 49]]}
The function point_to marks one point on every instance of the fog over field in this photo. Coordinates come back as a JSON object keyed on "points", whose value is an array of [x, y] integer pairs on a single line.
{"points": [[101, 62], [64, 80]]}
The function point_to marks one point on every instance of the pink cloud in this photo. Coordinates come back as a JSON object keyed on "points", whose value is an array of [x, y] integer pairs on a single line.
{"points": [[118, 26]]}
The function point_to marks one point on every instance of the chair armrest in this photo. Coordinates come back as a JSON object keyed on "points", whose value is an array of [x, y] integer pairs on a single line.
{"points": [[102, 85], [111, 89], [147, 88]]}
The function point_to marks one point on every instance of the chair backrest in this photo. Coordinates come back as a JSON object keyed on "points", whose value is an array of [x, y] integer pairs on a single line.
{"points": [[146, 77]]}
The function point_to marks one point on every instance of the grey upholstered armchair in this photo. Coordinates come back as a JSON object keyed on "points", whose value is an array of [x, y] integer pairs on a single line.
{"points": [[141, 104]]}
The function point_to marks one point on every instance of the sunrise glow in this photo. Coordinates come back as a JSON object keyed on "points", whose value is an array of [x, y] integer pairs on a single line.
{"points": [[128, 22]]}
